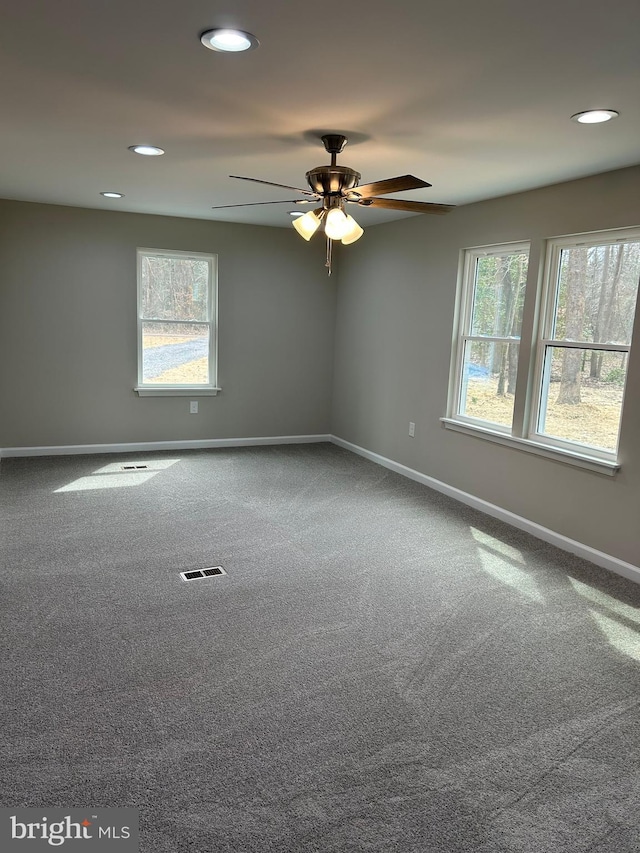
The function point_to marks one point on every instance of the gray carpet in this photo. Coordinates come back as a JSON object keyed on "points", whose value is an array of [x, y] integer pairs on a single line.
{"points": [[382, 669]]}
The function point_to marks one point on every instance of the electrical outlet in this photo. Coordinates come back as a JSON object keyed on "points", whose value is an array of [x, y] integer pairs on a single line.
{"points": [[193, 407], [412, 429]]}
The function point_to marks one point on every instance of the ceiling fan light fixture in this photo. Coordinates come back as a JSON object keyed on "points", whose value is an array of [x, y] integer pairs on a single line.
{"points": [[336, 225], [354, 233], [229, 41], [308, 224], [594, 116]]}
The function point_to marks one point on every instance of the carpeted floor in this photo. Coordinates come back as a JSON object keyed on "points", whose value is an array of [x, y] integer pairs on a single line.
{"points": [[382, 669]]}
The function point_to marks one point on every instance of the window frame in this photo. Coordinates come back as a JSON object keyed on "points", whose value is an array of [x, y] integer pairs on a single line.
{"points": [[210, 388], [465, 299], [549, 299], [538, 318]]}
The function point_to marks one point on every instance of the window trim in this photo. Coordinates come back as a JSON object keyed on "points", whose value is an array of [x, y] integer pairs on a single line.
{"points": [[539, 448], [181, 389], [540, 292]]}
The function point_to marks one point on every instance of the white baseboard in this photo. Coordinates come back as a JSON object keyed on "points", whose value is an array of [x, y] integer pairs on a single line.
{"points": [[152, 446], [606, 561]]}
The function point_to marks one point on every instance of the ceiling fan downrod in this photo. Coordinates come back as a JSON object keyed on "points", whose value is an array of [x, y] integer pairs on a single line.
{"points": [[334, 144]]}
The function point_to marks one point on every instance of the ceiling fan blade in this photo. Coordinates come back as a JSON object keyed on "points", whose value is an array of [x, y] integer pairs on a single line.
{"points": [[391, 185], [411, 206], [271, 184], [252, 203]]}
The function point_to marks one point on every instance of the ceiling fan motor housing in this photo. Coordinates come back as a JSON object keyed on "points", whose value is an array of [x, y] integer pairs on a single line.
{"points": [[326, 180]]}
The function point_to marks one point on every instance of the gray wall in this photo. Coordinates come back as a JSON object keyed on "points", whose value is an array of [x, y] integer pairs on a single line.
{"points": [[68, 330], [68, 343], [393, 345]]}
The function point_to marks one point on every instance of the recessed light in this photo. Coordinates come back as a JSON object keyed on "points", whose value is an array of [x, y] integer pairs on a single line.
{"points": [[147, 150], [112, 195], [229, 41], [296, 213], [594, 116]]}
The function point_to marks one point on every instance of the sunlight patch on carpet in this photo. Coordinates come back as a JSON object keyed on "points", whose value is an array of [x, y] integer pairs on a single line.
{"points": [[112, 476], [607, 601], [621, 637]]}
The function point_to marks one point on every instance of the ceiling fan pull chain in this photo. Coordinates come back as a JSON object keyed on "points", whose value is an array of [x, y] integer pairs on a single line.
{"points": [[329, 255]]}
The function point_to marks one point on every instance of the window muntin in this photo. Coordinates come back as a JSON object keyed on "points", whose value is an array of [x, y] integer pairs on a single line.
{"points": [[176, 319], [494, 286], [591, 293]]}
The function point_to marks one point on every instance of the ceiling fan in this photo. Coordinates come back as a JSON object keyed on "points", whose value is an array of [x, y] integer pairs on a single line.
{"points": [[332, 187]]}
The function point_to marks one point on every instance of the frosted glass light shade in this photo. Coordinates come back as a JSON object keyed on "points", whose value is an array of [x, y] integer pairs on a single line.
{"points": [[336, 225], [354, 233], [307, 225]]}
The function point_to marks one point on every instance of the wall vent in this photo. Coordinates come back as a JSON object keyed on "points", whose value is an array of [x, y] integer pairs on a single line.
{"points": [[196, 574]]}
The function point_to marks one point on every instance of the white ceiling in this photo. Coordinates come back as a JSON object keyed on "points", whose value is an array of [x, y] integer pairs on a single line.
{"points": [[471, 95]]}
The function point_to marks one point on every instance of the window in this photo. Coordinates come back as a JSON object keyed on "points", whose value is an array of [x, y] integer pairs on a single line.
{"points": [[491, 320], [177, 335], [590, 301], [566, 400]]}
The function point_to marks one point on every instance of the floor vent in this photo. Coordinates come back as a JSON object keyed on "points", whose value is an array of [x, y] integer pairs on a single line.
{"points": [[202, 573], [133, 467]]}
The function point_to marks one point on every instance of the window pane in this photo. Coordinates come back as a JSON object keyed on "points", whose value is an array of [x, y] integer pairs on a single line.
{"points": [[582, 395], [175, 354], [174, 288], [498, 295], [597, 289], [489, 381]]}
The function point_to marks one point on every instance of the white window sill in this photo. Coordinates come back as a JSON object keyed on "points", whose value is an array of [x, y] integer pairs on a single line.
{"points": [[176, 391], [581, 460]]}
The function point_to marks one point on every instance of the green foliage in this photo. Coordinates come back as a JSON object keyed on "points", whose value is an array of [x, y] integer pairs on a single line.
{"points": [[615, 376]]}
